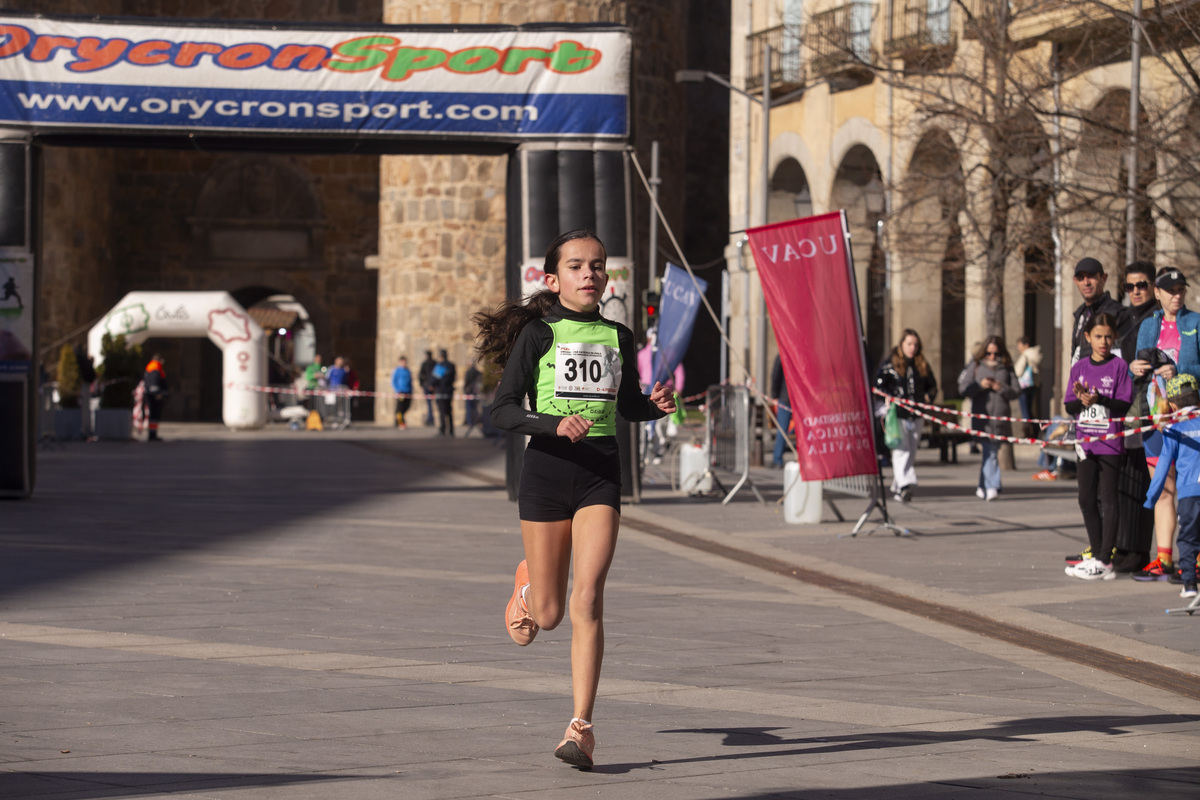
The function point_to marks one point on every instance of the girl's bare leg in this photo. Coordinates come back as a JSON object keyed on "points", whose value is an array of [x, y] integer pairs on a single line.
{"points": [[595, 538], [548, 555], [1165, 518]]}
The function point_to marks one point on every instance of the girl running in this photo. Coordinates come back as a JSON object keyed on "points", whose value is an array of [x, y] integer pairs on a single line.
{"points": [[577, 369], [1100, 388]]}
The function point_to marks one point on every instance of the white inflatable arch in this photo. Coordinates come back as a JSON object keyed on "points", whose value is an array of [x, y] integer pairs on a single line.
{"points": [[142, 315]]}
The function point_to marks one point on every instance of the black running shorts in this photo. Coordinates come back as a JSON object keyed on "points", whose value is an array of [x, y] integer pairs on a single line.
{"points": [[559, 478]]}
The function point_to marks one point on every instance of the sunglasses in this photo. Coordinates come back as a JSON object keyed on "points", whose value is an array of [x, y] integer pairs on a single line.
{"points": [[1141, 286], [992, 352]]}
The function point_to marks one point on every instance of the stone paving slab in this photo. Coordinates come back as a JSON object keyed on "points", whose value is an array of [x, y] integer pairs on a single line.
{"points": [[293, 615]]}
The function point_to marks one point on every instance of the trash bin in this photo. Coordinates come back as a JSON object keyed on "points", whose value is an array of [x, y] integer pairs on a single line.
{"points": [[694, 477], [801, 501]]}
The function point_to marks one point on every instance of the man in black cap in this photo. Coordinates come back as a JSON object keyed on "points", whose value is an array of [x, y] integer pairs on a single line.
{"points": [[1089, 280]]}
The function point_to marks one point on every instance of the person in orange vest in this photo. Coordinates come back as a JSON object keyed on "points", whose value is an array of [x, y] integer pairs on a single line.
{"points": [[155, 382]]}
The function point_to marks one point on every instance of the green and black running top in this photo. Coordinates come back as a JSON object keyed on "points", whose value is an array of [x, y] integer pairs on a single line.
{"points": [[567, 363]]}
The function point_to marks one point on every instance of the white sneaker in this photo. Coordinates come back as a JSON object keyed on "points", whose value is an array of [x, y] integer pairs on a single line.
{"points": [[980, 493], [1091, 570], [991, 494]]}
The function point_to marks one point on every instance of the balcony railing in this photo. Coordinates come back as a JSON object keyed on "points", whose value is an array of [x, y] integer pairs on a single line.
{"points": [[840, 39], [920, 26], [787, 70]]}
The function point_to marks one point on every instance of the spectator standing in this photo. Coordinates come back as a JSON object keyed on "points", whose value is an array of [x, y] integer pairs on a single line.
{"points": [[425, 381], [155, 383], [1180, 452], [1028, 371], [783, 411], [1098, 389], [674, 382], [314, 378], [1139, 288], [1135, 528], [989, 382], [907, 375], [472, 386], [402, 385], [442, 384], [1089, 281], [1166, 345], [336, 379]]}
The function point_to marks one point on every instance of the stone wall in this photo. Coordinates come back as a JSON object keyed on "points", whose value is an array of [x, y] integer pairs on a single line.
{"points": [[442, 243], [116, 219]]}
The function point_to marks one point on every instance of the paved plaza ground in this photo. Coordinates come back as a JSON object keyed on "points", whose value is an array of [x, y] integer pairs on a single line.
{"points": [[288, 614]]}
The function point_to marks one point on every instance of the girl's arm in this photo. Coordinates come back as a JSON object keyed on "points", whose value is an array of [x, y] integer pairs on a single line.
{"points": [[1165, 459], [508, 407], [631, 403]]}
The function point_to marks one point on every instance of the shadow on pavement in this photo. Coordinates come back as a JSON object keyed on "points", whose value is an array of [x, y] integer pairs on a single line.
{"points": [[106, 506], [764, 743]]}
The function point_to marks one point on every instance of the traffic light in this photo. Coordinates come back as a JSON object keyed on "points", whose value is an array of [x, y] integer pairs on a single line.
{"points": [[649, 309]]}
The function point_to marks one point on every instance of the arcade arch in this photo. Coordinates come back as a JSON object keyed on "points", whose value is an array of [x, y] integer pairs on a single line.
{"points": [[929, 291], [858, 188], [1101, 186]]}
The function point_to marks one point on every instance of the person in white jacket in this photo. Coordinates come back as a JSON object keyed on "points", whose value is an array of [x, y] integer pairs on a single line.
{"points": [[1028, 368]]}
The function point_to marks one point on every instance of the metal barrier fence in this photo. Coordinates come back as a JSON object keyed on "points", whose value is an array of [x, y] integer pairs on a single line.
{"points": [[728, 431], [864, 486]]}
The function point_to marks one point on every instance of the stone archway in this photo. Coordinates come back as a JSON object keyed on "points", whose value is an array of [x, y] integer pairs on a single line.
{"points": [[1101, 186], [929, 286], [858, 188]]}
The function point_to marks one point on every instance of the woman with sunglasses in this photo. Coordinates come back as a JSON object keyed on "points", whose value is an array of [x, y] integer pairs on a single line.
{"points": [[989, 381], [1169, 335]]}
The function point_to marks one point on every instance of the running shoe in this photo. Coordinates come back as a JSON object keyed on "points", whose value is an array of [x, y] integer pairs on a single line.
{"points": [[1188, 590], [1092, 570], [1153, 571], [1075, 558], [577, 745], [1046, 475], [517, 619], [980, 493], [991, 494], [1177, 578]]}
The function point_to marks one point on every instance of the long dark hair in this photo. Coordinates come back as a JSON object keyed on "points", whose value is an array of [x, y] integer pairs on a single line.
{"points": [[919, 362], [498, 329], [981, 353]]}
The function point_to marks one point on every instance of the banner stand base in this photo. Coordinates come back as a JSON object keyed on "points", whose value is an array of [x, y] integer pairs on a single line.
{"points": [[878, 500], [1189, 609]]}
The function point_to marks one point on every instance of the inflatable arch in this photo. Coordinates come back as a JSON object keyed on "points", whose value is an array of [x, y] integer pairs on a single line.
{"points": [[142, 315]]}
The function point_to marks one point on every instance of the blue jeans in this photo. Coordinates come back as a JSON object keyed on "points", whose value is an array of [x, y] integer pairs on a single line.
{"points": [[989, 471], [784, 415]]}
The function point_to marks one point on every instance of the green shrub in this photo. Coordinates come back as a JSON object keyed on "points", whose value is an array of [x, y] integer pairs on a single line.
{"points": [[119, 372], [68, 378]]}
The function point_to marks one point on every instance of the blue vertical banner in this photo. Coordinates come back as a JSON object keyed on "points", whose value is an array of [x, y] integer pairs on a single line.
{"points": [[681, 299]]}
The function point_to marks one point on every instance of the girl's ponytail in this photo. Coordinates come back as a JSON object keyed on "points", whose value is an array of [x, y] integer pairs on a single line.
{"points": [[498, 329]]}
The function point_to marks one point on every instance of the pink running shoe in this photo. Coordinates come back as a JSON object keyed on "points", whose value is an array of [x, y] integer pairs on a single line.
{"points": [[577, 744], [520, 624]]}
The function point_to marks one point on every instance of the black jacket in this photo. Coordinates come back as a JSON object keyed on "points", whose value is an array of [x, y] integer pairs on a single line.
{"points": [[1127, 328], [912, 385]]}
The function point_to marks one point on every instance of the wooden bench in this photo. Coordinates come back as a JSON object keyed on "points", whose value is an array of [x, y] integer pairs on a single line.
{"points": [[946, 440]]}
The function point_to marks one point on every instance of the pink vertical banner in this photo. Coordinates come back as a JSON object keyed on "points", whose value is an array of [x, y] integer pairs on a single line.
{"points": [[808, 279]]}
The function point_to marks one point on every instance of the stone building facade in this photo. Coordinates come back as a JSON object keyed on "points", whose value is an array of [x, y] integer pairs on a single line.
{"points": [[888, 118]]}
